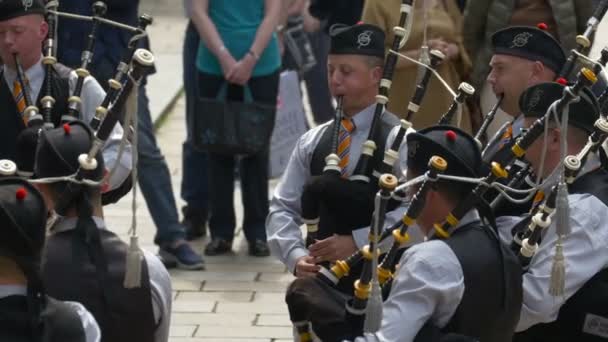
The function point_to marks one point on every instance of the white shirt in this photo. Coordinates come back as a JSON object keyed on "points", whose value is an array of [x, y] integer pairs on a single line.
{"points": [[89, 324], [585, 251], [160, 281], [425, 287], [92, 96], [284, 218]]}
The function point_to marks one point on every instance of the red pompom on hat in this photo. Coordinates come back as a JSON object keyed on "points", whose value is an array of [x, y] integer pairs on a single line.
{"points": [[542, 26], [562, 81], [450, 135], [21, 194]]}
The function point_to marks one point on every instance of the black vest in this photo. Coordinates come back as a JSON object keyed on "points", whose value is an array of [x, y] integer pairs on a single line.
{"points": [[11, 123], [490, 306], [124, 315], [353, 206], [359, 214], [584, 316], [60, 322]]}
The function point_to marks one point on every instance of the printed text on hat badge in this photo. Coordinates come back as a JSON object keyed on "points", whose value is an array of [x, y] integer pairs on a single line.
{"points": [[26, 4], [364, 39], [521, 39]]}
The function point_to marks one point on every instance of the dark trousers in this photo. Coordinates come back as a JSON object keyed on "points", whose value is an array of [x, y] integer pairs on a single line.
{"points": [[194, 189], [154, 178], [253, 169]]}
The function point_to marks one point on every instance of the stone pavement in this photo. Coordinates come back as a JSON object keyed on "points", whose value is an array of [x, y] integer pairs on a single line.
{"points": [[237, 298]]}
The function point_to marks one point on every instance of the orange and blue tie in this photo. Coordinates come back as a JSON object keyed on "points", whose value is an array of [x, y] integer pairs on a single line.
{"points": [[344, 143], [506, 136], [19, 96]]}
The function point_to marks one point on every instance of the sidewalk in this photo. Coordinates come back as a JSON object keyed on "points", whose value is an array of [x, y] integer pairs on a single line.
{"points": [[238, 298]]}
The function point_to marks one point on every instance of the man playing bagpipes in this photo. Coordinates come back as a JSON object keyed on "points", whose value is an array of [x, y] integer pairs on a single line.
{"points": [[461, 281], [523, 56], [128, 293], [566, 261], [355, 70], [22, 31]]}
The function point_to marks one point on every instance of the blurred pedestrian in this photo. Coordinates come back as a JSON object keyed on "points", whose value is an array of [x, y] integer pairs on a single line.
{"points": [[443, 25], [238, 47], [153, 173], [195, 187]]}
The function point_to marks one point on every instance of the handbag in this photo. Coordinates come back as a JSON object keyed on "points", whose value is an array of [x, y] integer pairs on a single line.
{"points": [[232, 127]]}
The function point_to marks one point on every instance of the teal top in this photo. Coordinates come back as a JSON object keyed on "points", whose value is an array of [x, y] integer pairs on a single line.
{"points": [[237, 22]]}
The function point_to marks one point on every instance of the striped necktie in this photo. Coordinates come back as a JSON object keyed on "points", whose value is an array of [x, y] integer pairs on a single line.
{"points": [[344, 143], [19, 97], [506, 136]]}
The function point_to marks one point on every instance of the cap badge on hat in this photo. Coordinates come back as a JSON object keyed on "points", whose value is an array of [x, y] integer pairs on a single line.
{"points": [[521, 39], [26, 4], [364, 38]]}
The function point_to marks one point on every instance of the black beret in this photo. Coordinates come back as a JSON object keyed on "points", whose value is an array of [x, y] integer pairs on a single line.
{"points": [[535, 101], [22, 219], [27, 142], [530, 43], [457, 147], [10, 9], [360, 39], [59, 149]]}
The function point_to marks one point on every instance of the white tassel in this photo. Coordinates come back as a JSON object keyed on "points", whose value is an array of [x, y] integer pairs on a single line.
{"points": [[133, 266], [558, 271], [134, 253], [373, 313], [562, 211]]}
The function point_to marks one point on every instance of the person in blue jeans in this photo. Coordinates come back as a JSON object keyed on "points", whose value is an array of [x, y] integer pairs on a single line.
{"points": [[239, 47], [194, 189], [153, 174]]}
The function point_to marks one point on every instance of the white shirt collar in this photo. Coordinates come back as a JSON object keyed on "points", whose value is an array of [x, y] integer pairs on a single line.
{"points": [[363, 119]]}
